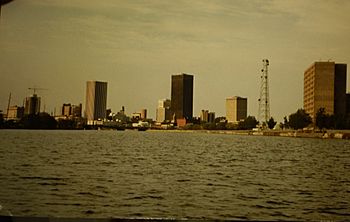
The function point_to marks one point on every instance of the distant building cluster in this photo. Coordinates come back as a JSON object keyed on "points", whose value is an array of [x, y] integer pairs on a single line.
{"points": [[324, 87]]}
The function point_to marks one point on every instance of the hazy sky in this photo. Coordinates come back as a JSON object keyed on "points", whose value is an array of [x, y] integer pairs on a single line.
{"points": [[137, 45]]}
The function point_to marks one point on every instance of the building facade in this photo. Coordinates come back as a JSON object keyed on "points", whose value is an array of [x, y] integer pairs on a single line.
{"points": [[32, 105], [143, 114], [70, 110], [163, 113], [325, 87], [236, 109], [96, 101], [211, 117], [206, 116], [182, 96], [15, 112]]}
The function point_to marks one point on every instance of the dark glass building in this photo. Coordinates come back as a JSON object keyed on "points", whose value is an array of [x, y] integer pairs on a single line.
{"points": [[182, 96]]}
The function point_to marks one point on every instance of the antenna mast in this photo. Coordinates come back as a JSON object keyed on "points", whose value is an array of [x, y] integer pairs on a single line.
{"points": [[264, 103], [8, 105]]}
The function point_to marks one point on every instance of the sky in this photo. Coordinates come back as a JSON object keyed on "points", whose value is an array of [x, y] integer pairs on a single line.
{"points": [[136, 45]]}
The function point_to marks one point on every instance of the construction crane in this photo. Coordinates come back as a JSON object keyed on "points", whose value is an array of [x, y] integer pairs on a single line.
{"points": [[35, 89]]}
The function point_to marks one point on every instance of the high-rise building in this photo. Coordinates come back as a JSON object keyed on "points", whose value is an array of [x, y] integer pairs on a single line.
{"points": [[325, 87], [32, 105], [163, 113], [236, 109], [182, 96], [96, 101]]}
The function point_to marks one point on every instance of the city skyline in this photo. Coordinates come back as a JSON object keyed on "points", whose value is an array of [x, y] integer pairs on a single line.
{"points": [[136, 46]]}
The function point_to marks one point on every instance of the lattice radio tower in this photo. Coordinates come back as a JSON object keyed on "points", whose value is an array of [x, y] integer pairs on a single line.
{"points": [[264, 103]]}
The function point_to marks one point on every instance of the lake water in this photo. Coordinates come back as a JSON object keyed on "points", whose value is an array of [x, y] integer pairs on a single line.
{"points": [[130, 174]]}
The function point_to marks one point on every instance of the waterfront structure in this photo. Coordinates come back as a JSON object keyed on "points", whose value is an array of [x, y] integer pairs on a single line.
{"points": [[236, 109], [163, 112], [15, 112], [96, 101], [325, 87], [136, 116], [182, 96], [32, 105]]}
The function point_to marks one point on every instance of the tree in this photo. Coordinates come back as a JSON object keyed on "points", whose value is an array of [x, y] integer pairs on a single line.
{"points": [[249, 123], [271, 123], [1, 119], [285, 122], [299, 119], [321, 118], [40, 121]]}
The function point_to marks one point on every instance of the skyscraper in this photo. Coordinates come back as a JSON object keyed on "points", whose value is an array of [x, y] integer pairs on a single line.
{"points": [[96, 101], [32, 105], [236, 109], [325, 87], [163, 113], [182, 96]]}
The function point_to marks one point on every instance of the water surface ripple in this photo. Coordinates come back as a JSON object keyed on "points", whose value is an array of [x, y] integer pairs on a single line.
{"points": [[104, 174]]}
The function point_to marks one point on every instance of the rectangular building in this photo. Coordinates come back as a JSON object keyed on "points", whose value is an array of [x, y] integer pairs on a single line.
{"points": [[163, 113], [70, 110], [96, 101], [182, 96], [325, 87], [15, 112], [236, 109], [206, 116]]}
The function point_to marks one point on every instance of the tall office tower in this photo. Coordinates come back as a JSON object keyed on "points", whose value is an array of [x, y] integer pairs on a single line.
{"points": [[32, 105], [182, 96], [163, 113], [96, 101], [236, 109], [325, 87]]}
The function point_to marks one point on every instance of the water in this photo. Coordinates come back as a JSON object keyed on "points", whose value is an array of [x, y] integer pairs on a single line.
{"points": [[104, 174]]}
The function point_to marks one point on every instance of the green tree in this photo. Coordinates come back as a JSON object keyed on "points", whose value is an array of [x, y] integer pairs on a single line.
{"points": [[299, 119], [40, 121], [66, 124], [285, 122], [271, 123], [321, 118], [249, 123]]}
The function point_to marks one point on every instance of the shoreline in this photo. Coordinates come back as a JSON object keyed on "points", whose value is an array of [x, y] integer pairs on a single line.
{"points": [[329, 134]]}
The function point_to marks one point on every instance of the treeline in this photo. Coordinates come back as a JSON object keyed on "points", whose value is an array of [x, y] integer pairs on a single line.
{"points": [[221, 124], [301, 119], [40, 121]]}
